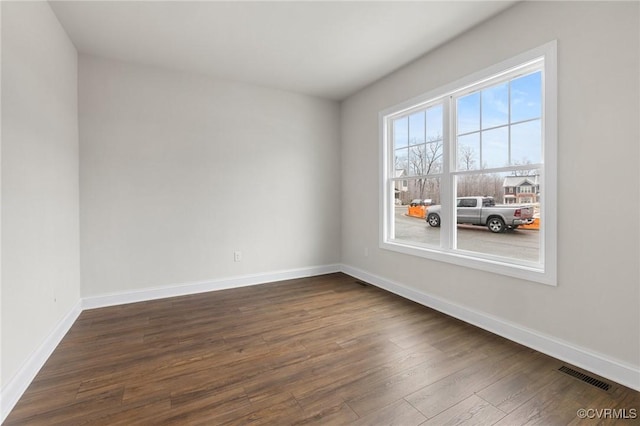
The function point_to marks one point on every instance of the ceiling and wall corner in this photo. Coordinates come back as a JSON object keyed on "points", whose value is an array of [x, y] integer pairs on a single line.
{"points": [[324, 49]]}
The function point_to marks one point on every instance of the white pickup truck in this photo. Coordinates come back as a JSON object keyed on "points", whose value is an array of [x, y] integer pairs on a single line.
{"points": [[483, 211]]}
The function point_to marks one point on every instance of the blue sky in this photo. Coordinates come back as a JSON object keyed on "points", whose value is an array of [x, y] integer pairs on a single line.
{"points": [[417, 126], [481, 112], [483, 123]]}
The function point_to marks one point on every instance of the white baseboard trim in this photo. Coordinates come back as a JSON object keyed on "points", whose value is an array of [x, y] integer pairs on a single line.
{"points": [[602, 365], [13, 390], [204, 286]]}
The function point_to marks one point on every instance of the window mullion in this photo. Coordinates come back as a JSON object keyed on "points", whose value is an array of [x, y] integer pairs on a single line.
{"points": [[447, 229], [480, 134], [509, 159], [389, 165]]}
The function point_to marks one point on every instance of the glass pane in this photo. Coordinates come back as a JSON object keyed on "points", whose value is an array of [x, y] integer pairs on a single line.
{"points": [[495, 106], [425, 159], [433, 153], [468, 152], [495, 148], [481, 184], [526, 97], [412, 205], [468, 110], [434, 123], [416, 128], [526, 142], [400, 132], [507, 222], [401, 162], [417, 160]]}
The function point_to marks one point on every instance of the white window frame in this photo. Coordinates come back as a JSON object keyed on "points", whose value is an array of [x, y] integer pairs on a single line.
{"points": [[545, 271]]}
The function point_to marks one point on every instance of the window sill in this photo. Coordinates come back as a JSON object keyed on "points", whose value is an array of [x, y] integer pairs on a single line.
{"points": [[528, 271]]}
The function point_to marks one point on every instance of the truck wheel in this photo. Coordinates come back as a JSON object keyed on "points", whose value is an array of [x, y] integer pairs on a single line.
{"points": [[496, 225], [433, 220]]}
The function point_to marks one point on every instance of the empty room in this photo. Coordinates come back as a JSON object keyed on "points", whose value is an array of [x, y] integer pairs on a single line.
{"points": [[320, 212]]}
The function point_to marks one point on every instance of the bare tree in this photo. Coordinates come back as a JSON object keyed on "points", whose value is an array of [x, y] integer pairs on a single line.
{"points": [[467, 184], [466, 158], [491, 185], [425, 159], [401, 163]]}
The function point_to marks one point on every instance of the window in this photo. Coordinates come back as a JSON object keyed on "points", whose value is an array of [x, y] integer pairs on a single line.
{"points": [[482, 149], [467, 202]]}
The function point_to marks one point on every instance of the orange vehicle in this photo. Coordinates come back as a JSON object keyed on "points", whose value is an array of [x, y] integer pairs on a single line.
{"points": [[418, 208], [533, 225]]}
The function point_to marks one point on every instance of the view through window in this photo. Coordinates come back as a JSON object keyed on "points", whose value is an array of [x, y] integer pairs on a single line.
{"points": [[466, 172]]}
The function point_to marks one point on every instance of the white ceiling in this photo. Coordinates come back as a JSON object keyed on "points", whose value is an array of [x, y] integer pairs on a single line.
{"points": [[326, 49]]}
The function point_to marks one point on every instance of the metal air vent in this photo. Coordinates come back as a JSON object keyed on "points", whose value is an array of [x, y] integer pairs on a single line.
{"points": [[585, 378]]}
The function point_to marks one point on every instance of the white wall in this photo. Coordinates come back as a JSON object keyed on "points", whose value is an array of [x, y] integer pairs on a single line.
{"points": [[596, 304], [178, 171], [40, 231]]}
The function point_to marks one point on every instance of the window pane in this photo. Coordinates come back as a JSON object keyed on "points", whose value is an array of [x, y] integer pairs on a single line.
{"points": [[495, 148], [526, 142], [417, 160], [434, 123], [401, 162], [468, 110], [468, 152], [416, 128], [526, 97], [411, 211], [433, 152], [495, 106], [481, 184], [400, 132], [508, 229], [425, 159]]}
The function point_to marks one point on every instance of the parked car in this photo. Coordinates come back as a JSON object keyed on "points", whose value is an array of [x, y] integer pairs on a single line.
{"points": [[483, 211]]}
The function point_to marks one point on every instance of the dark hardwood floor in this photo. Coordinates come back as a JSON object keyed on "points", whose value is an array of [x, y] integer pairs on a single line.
{"points": [[322, 350]]}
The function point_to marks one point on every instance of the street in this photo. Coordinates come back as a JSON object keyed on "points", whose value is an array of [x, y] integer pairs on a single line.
{"points": [[521, 244]]}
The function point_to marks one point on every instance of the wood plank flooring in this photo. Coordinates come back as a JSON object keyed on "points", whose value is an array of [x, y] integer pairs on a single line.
{"points": [[323, 350]]}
